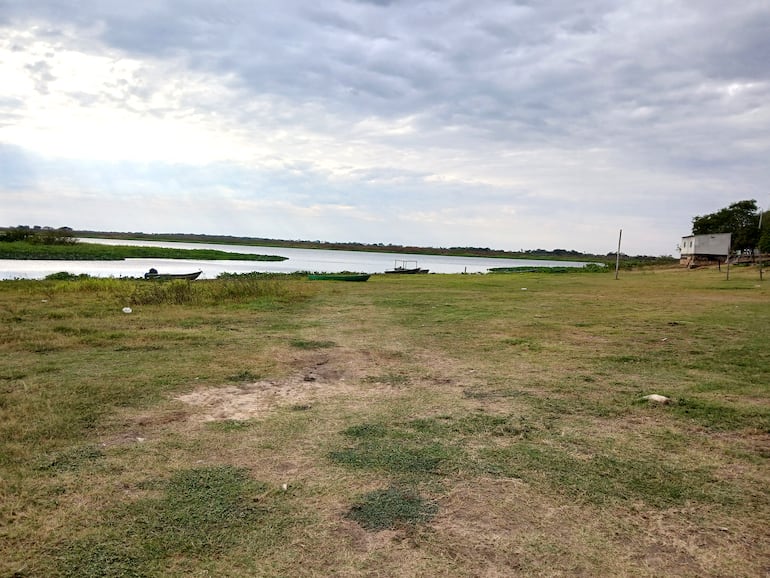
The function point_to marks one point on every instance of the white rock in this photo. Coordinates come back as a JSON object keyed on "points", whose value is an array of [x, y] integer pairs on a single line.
{"points": [[655, 398], [127, 310]]}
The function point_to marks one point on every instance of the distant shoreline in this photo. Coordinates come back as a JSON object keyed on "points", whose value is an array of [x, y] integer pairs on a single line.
{"points": [[536, 254]]}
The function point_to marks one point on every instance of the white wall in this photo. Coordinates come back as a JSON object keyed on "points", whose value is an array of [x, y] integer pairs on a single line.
{"points": [[717, 244]]}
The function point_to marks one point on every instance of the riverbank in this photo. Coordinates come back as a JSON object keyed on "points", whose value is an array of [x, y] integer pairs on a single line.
{"points": [[431, 425]]}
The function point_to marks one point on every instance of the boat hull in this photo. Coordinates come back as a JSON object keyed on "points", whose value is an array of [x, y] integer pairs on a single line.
{"points": [[332, 277], [401, 271], [171, 276], [403, 267]]}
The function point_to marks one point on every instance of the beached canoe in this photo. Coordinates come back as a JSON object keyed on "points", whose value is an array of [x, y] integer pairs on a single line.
{"points": [[153, 275], [338, 277]]}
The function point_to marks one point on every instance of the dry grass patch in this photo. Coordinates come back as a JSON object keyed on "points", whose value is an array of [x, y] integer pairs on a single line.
{"points": [[503, 525]]}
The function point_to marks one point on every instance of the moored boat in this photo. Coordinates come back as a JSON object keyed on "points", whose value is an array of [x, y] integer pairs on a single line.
{"points": [[339, 277], [404, 268]]}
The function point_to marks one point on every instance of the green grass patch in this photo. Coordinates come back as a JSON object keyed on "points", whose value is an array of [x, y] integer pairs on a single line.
{"points": [[366, 431], [391, 508], [71, 460], [602, 477], [425, 448], [200, 512], [392, 378], [400, 459], [438, 449], [720, 416], [401, 450], [312, 344], [245, 375], [219, 292]]}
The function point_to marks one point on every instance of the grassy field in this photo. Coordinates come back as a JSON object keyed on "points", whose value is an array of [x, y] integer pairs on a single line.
{"points": [[427, 425]]}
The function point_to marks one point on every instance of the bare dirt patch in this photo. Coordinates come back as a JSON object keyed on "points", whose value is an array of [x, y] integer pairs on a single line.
{"points": [[256, 399], [317, 376]]}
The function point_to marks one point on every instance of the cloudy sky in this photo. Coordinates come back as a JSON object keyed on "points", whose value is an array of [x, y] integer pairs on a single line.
{"points": [[504, 124]]}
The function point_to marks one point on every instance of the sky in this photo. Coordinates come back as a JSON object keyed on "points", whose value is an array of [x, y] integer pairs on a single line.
{"points": [[486, 123]]}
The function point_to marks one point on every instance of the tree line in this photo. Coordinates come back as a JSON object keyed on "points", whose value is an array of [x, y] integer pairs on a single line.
{"points": [[39, 235]]}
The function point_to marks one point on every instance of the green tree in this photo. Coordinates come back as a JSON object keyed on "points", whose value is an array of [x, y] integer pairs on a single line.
{"points": [[741, 219], [39, 235], [51, 236], [12, 234]]}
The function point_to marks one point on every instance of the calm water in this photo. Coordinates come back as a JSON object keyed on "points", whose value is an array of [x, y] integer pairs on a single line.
{"points": [[319, 260]]}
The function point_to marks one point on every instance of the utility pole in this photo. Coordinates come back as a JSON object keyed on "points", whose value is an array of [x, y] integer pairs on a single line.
{"points": [[617, 256]]}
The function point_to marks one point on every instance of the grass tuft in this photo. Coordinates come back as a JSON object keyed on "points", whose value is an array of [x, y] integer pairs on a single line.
{"points": [[244, 376], [71, 460], [366, 431], [722, 417], [311, 344], [391, 508]]}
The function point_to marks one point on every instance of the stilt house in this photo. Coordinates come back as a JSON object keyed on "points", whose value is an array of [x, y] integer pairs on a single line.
{"points": [[704, 249]]}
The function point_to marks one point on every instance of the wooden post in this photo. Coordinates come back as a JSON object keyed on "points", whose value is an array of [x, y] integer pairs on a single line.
{"points": [[617, 256], [760, 250]]}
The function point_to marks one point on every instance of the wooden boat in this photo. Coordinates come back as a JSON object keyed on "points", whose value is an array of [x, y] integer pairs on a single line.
{"points": [[339, 277], [153, 275], [403, 268]]}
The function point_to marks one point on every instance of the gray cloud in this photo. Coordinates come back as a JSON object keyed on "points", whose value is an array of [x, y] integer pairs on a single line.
{"points": [[605, 108]]}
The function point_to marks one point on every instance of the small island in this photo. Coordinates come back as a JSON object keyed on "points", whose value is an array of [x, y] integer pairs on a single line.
{"points": [[61, 244]]}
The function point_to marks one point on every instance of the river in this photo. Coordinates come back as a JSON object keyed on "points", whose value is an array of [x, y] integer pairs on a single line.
{"points": [[315, 260]]}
